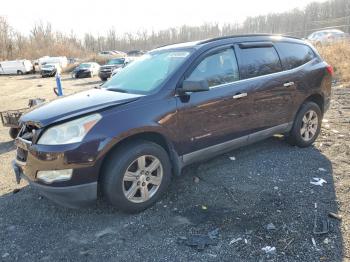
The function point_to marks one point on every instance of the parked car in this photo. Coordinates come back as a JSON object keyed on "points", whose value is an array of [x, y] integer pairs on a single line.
{"points": [[119, 53], [117, 70], [86, 70], [48, 70], [14, 67], [329, 36], [177, 105], [62, 61], [106, 70], [135, 53]]}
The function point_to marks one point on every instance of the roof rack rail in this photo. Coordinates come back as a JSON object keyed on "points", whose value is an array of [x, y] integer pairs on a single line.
{"points": [[244, 35]]}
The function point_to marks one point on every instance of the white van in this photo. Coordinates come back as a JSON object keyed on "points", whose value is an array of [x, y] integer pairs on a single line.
{"points": [[18, 67], [61, 60]]}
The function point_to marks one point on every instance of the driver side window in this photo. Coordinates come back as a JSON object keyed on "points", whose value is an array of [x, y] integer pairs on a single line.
{"points": [[219, 68]]}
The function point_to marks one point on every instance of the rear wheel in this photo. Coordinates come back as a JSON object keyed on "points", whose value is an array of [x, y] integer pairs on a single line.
{"points": [[19, 72], [135, 176], [306, 126]]}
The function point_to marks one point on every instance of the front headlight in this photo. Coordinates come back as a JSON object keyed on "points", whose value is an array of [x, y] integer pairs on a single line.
{"points": [[70, 132]]}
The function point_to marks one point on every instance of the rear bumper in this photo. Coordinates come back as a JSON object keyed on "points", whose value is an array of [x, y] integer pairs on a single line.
{"points": [[69, 196], [327, 103]]}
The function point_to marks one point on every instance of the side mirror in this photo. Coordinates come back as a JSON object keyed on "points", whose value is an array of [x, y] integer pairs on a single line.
{"points": [[195, 86]]}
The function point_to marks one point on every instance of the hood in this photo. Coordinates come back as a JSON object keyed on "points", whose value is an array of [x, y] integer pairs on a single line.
{"points": [[111, 66], [75, 105], [48, 69]]}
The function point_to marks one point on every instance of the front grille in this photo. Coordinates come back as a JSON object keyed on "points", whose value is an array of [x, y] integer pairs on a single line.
{"points": [[27, 135], [27, 132]]}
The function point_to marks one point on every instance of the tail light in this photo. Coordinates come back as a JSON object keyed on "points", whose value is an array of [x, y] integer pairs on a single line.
{"points": [[330, 70]]}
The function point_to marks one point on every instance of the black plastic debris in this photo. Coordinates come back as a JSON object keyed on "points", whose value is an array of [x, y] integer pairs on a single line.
{"points": [[321, 225], [214, 233], [16, 190]]}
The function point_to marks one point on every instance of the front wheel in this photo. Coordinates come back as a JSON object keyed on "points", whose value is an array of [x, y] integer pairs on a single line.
{"points": [[306, 126], [136, 175]]}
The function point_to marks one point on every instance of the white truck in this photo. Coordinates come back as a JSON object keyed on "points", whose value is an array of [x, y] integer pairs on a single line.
{"points": [[18, 67], [62, 61]]}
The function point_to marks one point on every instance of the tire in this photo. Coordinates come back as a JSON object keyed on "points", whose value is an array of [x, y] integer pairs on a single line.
{"points": [[116, 187], [103, 79], [303, 134], [13, 132], [19, 72]]}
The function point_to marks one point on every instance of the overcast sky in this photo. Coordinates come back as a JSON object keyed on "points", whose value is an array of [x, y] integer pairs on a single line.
{"points": [[129, 15]]}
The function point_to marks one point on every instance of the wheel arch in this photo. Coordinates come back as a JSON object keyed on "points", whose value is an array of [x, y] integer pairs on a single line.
{"points": [[318, 99], [151, 136]]}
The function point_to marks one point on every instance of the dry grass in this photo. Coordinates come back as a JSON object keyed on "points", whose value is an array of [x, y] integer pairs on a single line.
{"points": [[338, 55]]}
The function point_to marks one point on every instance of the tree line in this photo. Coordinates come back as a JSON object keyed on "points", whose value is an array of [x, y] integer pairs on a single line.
{"points": [[43, 40]]}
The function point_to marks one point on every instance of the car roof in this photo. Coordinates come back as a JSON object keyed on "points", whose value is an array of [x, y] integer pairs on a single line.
{"points": [[231, 38]]}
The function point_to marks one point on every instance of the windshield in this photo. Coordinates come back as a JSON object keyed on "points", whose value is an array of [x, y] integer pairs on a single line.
{"points": [[147, 73], [84, 65], [118, 61]]}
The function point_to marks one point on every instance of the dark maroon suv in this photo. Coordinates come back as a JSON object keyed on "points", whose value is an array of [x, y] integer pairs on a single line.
{"points": [[175, 105]]}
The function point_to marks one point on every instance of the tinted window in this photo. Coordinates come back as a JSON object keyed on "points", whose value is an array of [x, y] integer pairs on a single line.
{"points": [[294, 55], [217, 69], [258, 61]]}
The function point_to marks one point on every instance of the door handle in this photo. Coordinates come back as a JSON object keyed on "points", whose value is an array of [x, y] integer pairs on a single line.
{"points": [[239, 95], [288, 84]]}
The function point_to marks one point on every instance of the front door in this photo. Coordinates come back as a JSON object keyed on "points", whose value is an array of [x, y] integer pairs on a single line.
{"points": [[219, 115]]}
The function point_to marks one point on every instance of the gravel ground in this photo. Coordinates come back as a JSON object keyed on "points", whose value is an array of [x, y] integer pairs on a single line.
{"points": [[220, 210]]}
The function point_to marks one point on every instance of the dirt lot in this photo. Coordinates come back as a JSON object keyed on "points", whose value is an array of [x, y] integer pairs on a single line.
{"points": [[237, 207]]}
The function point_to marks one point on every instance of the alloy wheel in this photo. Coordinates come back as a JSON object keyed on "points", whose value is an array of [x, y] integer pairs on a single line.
{"points": [[142, 178], [309, 125]]}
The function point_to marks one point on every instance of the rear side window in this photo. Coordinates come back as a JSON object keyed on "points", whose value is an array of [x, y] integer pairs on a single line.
{"points": [[258, 61], [219, 68], [294, 55]]}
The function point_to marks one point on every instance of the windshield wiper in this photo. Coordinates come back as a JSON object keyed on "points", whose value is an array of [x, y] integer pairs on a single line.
{"points": [[115, 89]]}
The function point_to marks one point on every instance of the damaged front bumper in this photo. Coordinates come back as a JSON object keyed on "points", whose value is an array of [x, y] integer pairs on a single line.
{"points": [[79, 191], [68, 196]]}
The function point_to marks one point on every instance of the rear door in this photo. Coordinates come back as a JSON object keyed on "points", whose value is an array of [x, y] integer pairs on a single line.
{"points": [[270, 89], [303, 68], [215, 116]]}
